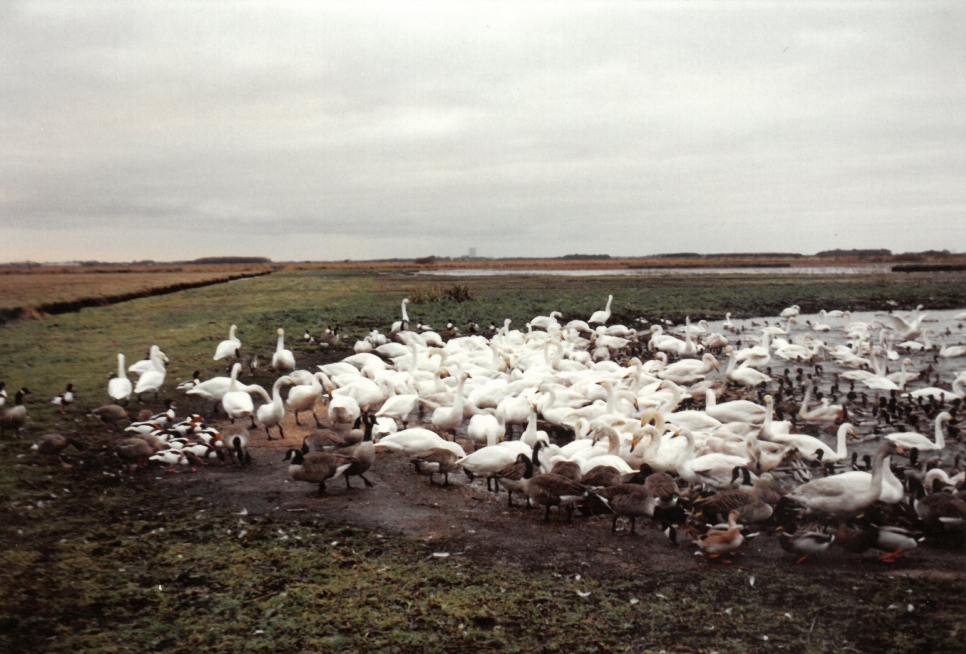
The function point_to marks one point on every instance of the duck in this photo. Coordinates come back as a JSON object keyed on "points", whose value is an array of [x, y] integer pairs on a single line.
{"points": [[111, 414], [282, 360], [134, 452], [236, 441], [13, 418], [719, 542], [316, 467], [228, 347], [805, 543], [63, 400], [436, 461], [271, 413], [844, 495], [152, 380]]}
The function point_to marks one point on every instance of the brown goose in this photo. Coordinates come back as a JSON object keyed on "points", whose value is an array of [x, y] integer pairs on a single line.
{"points": [[437, 461], [316, 467], [553, 490], [513, 476], [363, 454], [568, 469], [51, 445], [630, 501], [134, 451], [602, 476]]}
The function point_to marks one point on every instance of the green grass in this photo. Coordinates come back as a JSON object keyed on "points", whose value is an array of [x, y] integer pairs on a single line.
{"points": [[90, 570]]}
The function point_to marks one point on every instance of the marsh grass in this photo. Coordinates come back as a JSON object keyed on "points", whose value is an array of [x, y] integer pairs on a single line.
{"points": [[90, 561]]}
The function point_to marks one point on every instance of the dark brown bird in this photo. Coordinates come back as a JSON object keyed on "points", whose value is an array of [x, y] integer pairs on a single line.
{"points": [[437, 461]]}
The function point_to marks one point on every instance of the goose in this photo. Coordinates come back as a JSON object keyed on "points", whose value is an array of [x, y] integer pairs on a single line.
{"points": [[51, 445], [134, 451], [415, 441], [911, 440], [302, 397], [282, 360], [743, 411], [843, 495], [514, 475], [601, 317], [746, 503], [316, 467], [363, 454], [237, 403], [271, 413], [65, 398], [228, 347], [14, 417], [437, 461], [152, 380], [119, 388], [941, 511], [110, 414], [805, 543], [630, 500], [550, 490]]}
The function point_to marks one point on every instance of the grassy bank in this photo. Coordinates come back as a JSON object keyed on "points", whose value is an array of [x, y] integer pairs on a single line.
{"points": [[94, 562]]}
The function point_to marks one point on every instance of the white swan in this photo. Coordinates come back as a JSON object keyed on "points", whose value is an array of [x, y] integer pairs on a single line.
{"points": [[401, 325], [282, 360], [271, 413], [152, 380], [601, 317], [743, 376], [417, 440], [912, 439], [227, 347], [237, 403], [736, 411], [958, 392], [302, 397], [119, 388]]}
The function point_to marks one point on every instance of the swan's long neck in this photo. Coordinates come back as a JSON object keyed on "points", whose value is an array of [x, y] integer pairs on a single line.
{"points": [[281, 341], [841, 447], [276, 394], [940, 439], [233, 386], [231, 333], [120, 367], [805, 402], [405, 316], [710, 400], [610, 299]]}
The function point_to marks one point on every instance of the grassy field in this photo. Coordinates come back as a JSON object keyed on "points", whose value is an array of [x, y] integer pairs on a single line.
{"points": [[91, 562]]}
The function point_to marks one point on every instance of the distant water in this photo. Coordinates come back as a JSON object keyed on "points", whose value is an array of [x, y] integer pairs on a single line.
{"points": [[652, 272]]}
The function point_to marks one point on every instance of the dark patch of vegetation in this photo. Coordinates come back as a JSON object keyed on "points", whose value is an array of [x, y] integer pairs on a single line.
{"points": [[929, 267], [854, 253]]}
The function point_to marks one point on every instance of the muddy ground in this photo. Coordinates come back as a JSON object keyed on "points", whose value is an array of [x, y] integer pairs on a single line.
{"points": [[465, 520]]}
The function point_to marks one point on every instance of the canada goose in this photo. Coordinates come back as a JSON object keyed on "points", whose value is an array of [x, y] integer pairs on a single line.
{"points": [[805, 543], [512, 476], [362, 454], [323, 440], [553, 490], [51, 445], [602, 476], [282, 360], [630, 501], [228, 347], [568, 469], [14, 417], [316, 467], [436, 461], [271, 413]]}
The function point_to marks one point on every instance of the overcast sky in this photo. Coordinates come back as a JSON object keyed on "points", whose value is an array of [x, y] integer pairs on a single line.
{"points": [[321, 131]]}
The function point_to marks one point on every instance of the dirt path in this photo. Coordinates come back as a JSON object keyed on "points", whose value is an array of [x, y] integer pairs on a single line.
{"points": [[465, 520]]}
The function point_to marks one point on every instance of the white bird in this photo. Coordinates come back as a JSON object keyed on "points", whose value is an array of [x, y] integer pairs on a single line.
{"points": [[119, 388], [302, 397], [237, 403], [911, 439], [401, 325], [228, 347], [152, 380], [417, 440], [282, 360], [271, 413], [735, 411], [601, 317], [743, 375]]}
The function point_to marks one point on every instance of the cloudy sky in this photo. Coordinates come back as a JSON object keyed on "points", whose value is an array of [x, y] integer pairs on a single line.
{"points": [[322, 130]]}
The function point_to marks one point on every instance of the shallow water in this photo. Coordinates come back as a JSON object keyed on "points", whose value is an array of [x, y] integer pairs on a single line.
{"points": [[652, 272]]}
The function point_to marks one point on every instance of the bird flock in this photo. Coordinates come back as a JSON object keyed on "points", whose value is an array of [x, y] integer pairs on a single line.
{"points": [[790, 426]]}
